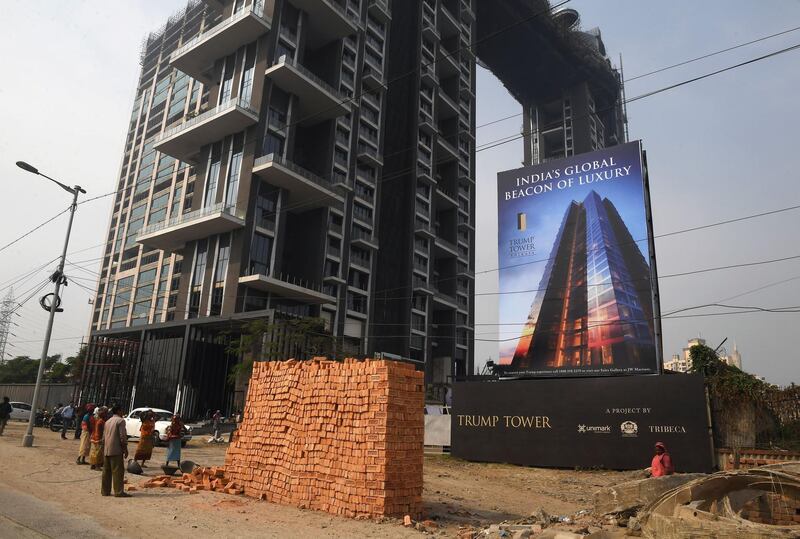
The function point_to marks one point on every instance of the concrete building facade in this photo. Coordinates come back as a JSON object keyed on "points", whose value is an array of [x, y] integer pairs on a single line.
{"points": [[290, 159]]}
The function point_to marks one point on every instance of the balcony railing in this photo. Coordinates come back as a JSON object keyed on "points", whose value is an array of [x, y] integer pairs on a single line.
{"points": [[255, 9], [318, 100], [193, 216], [380, 10], [286, 278], [297, 169], [307, 72], [328, 21], [364, 236], [236, 102], [196, 57]]}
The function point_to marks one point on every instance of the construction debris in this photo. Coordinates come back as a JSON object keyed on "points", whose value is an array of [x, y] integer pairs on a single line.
{"points": [[759, 503], [210, 479], [630, 496]]}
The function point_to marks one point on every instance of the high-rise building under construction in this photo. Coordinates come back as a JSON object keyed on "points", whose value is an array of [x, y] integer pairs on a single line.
{"points": [[294, 159]]}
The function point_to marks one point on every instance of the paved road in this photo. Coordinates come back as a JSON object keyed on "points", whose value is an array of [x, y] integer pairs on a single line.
{"points": [[23, 516]]}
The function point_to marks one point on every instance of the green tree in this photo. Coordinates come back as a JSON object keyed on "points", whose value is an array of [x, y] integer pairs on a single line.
{"points": [[298, 338], [23, 369]]}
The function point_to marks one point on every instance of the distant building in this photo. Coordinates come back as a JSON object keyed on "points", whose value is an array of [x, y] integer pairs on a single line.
{"points": [[734, 358], [683, 362]]}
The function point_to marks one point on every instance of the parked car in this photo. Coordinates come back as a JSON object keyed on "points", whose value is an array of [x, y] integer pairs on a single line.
{"points": [[133, 423], [20, 411]]}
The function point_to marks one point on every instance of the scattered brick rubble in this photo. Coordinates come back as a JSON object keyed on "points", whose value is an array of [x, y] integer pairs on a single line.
{"points": [[210, 479]]}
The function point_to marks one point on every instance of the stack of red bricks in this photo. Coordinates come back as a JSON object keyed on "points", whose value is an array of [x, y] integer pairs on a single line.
{"points": [[772, 508], [345, 438], [210, 479]]}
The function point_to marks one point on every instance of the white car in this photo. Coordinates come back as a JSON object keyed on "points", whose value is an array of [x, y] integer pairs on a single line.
{"points": [[20, 411], [133, 424]]}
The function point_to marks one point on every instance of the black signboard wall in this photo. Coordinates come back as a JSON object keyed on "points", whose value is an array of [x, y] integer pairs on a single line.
{"points": [[591, 422]]}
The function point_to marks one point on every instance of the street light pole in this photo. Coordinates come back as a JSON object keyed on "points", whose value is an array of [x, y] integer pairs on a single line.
{"points": [[27, 440]]}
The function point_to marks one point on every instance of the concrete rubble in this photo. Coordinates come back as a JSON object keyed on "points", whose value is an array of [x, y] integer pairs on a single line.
{"points": [[757, 503], [633, 495], [751, 504]]}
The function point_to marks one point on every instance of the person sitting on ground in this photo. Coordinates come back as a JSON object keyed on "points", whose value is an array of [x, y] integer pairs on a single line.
{"points": [[144, 449], [5, 414], [86, 433], [98, 426], [114, 454], [174, 435], [662, 462]]}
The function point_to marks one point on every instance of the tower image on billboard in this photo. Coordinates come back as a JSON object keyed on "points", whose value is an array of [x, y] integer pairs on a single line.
{"points": [[589, 298]]}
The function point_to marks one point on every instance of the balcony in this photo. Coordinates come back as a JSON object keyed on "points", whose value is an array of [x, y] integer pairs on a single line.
{"points": [[318, 100], [363, 238], [422, 286], [445, 150], [380, 10], [196, 57], [426, 124], [446, 106], [446, 64], [183, 141], [448, 24], [466, 12], [423, 228], [328, 21], [372, 77], [306, 189], [173, 234], [444, 301], [429, 28], [288, 286], [445, 198], [465, 89], [369, 154], [428, 73], [444, 248], [463, 221]]}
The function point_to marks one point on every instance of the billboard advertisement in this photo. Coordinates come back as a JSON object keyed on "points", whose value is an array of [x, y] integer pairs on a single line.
{"points": [[576, 295], [610, 423]]}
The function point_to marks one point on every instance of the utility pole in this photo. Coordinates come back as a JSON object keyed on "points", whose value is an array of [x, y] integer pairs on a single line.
{"points": [[59, 279], [6, 312]]}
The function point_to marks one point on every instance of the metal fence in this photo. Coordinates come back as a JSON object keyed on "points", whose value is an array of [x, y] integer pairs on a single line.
{"points": [[49, 396]]}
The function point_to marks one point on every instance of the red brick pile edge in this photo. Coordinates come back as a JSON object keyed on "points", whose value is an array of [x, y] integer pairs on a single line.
{"points": [[341, 437]]}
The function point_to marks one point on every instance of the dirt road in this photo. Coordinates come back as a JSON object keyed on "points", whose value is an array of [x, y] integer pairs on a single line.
{"points": [[43, 493]]}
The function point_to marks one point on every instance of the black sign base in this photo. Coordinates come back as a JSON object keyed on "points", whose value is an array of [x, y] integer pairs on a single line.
{"points": [[610, 423]]}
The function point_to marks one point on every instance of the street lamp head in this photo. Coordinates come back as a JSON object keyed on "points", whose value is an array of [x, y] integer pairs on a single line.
{"points": [[25, 166]]}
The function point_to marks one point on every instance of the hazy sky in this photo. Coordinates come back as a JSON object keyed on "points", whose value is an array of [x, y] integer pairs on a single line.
{"points": [[718, 149]]}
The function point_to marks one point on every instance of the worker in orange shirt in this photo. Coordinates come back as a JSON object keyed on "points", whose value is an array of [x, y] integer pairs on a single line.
{"points": [[662, 462]]}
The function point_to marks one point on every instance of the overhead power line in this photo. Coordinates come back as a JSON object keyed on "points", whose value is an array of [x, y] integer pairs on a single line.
{"points": [[714, 53], [656, 236], [666, 68], [486, 146], [505, 140], [31, 231]]}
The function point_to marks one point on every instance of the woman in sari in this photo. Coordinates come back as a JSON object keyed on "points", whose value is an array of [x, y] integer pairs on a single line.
{"points": [[144, 450], [174, 436], [86, 432], [96, 451]]}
